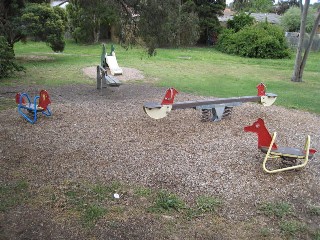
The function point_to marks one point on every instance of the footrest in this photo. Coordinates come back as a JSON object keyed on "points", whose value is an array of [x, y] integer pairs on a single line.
{"points": [[111, 81]]}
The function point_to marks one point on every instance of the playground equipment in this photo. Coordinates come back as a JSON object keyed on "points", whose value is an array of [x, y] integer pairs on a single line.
{"points": [[29, 110], [212, 109], [291, 158], [103, 79], [111, 62]]}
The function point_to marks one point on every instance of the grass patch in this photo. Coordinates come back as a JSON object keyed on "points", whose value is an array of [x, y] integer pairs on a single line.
{"points": [[7, 103], [90, 200], [92, 213], [265, 232], [13, 194], [143, 192], [314, 210], [276, 209], [205, 204], [292, 228], [166, 201], [316, 235], [206, 72]]}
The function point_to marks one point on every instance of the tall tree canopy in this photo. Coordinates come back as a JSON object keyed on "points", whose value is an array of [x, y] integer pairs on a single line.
{"points": [[87, 17], [171, 22], [19, 19], [253, 5], [208, 12], [291, 20]]}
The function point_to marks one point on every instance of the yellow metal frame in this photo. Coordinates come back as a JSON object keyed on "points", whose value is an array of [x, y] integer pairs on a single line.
{"points": [[269, 155]]}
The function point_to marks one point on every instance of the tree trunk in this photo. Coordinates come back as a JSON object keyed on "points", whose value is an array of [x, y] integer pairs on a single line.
{"points": [[313, 32], [298, 68], [96, 29]]}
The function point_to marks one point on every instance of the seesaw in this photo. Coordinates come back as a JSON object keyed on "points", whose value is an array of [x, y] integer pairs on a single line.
{"points": [[212, 109], [103, 79], [29, 110], [291, 158]]}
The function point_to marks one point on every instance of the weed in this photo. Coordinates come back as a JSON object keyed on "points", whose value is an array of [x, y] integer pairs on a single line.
{"points": [[101, 192], [143, 192], [92, 213], [292, 228], [265, 232], [207, 204], [314, 210], [316, 235], [166, 201], [13, 194], [276, 209], [6, 103]]}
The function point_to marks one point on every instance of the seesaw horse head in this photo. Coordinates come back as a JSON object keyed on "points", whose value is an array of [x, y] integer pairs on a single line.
{"points": [[169, 96], [264, 137]]}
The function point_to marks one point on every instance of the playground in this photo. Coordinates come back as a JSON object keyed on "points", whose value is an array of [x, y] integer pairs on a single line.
{"points": [[104, 136]]}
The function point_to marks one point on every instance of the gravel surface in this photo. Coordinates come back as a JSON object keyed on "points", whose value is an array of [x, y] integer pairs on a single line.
{"points": [[101, 136]]}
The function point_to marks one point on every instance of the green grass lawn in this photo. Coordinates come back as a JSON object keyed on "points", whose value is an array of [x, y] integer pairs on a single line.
{"points": [[202, 71]]}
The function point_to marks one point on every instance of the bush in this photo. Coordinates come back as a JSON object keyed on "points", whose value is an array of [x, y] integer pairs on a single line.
{"points": [[7, 64], [261, 40], [240, 21]]}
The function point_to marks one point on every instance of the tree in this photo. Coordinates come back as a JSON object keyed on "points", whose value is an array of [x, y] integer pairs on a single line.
{"points": [[208, 12], [44, 23], [87, 17], [253, 5], [10, 13], [7, 63], [263, 6], [284, 5], [302, 56], [291, 19]]}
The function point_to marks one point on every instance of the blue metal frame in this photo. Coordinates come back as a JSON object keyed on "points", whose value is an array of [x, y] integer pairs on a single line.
{"points": [[31, 107]]}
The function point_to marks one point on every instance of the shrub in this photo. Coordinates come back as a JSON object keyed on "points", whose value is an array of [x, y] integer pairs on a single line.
{"points": [[240, 21], [261, 40], [7, 64]]}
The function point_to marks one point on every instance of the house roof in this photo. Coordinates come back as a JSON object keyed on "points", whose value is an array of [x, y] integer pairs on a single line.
{"points": [[260, 17]]}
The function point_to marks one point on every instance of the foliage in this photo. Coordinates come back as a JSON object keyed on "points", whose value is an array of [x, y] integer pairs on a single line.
{"points": [[207, 204], [292, 228], [239, 21], [292, 18], [86, 18], [208, 12], [10, 25], [253, 5], [284, 5], [44, 24], [7, 63], [167, 24], [266, 41], [314, 210], [13, 194], [166, 201], [276, 209], [263, 6]]}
